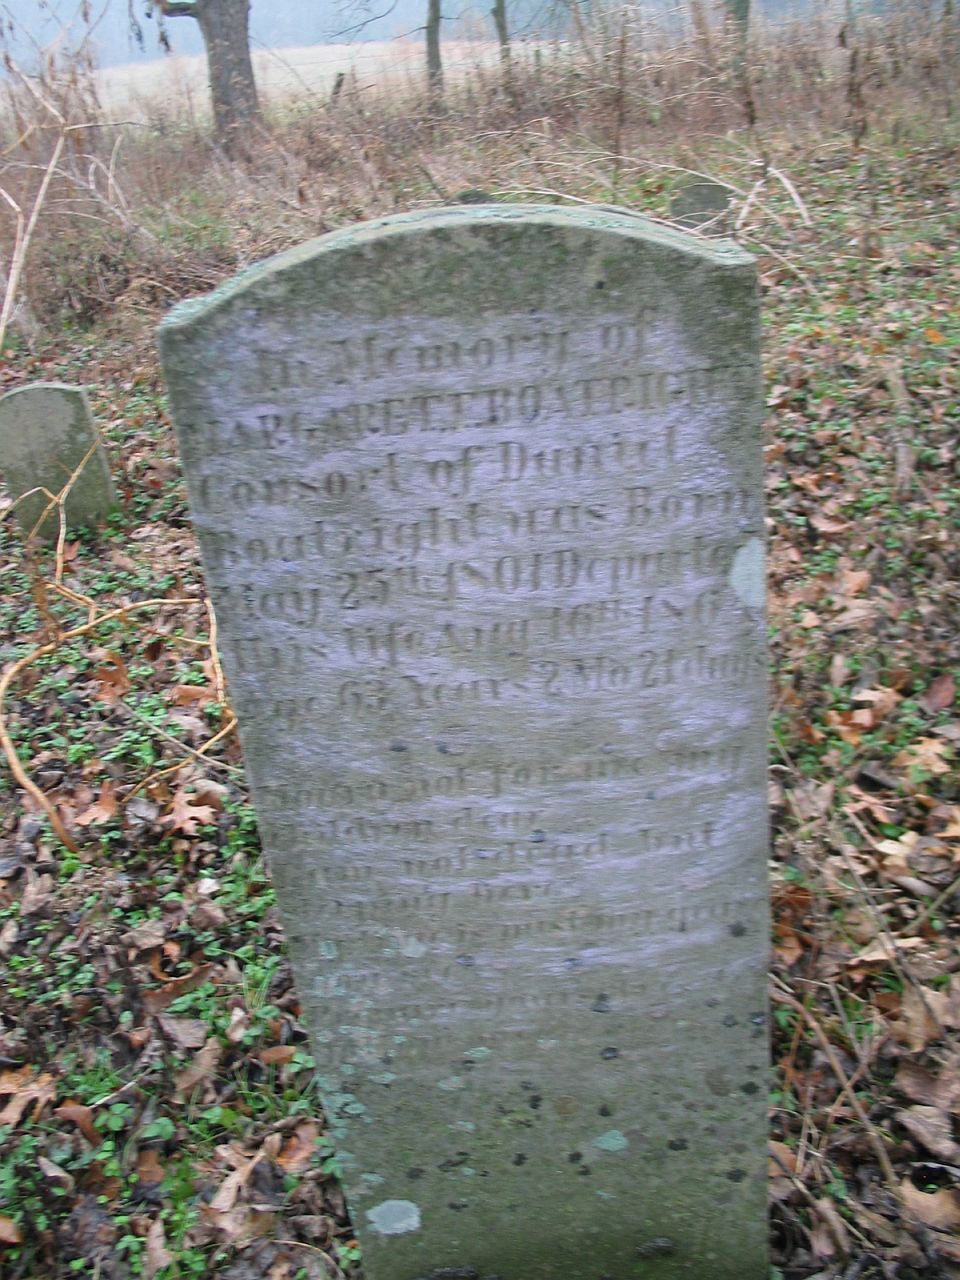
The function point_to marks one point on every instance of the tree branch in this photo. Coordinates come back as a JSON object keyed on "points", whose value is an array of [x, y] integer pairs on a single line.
{"points": [[178, 8]]}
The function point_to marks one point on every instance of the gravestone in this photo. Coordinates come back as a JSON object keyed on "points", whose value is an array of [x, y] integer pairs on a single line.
{"points": [[46, 432], [699, 203], [478, 493]]}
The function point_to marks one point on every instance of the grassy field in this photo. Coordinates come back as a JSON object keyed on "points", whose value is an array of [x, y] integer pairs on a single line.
{"points": [[303, 75], [157, 1113]]}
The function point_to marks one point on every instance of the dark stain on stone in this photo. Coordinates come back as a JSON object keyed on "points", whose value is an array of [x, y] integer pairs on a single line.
{"points": [[467, 961], [729, 1020], [573, 962], [455, 1273], [575, 1157], [454, 1162], [750, 1087], [535, 1101], [601, 1004], [736, 1175], [457, 1205], [519, 1159], [605, 1110], [678, 1144], [609, 1053], [399, 746], [415, 1173], [738, 929], [717, 1082], [584, 1170], [537, 837], [443, 748]]}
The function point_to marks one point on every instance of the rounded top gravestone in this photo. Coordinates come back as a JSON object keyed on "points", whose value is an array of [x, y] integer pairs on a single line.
{"points": [[47, 436], [478, 493]]}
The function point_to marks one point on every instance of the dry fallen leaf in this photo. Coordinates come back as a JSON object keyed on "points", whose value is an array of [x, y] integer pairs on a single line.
{"points": [[112, 678], [186, 816], [36, 894], [55, 1174], [184, 695], [824, 524], [788, 946], [8, 937], [160, 998], [202, 1066], [939, 1209], [207, 915], [829, 1234], [933, 1130], [917, 1025], [942, 1091], [82, 1117], [150, 1172], [855, 580], [158, 1255], [278, 1055], [10, 1233], [102, 809], [226, 1196], [927, 754], [239, 1025], [297, 1152], [185, 1033], [940, 694], [35, 1093], [145, 936]]}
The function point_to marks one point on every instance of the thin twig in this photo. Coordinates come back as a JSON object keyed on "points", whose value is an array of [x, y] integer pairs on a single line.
{"points": [[930, 910], [794, 195], [782, 996], [15, 669], [896, 955], [219, 680], [198, 753], [20, 254]]}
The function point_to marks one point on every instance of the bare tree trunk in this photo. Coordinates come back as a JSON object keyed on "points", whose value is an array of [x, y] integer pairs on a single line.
{"points": [[434, 64], [499, 15], [225, 26], [738, 15]]}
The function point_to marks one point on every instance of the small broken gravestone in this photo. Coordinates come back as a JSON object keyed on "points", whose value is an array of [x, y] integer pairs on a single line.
{"points": [[478, 493], [698, 202], [46, 432]]}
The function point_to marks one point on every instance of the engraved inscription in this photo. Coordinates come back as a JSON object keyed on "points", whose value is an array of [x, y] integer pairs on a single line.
{"points": [[478, 496]]}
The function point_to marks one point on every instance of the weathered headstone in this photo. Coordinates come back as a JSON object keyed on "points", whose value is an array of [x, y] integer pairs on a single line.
{"points": [[46, 432], [478, 493], [698, 202]]}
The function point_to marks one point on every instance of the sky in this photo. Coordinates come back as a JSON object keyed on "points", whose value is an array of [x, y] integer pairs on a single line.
{"points": [[274, 24]]}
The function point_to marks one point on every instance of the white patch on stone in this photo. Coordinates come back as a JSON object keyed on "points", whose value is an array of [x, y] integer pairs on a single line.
{"points": [[747, 574], [394, 1217]]}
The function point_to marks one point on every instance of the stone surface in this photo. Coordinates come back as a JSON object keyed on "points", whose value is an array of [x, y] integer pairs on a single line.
{"points": [[46, 431], [479, 499], [699, 203]]}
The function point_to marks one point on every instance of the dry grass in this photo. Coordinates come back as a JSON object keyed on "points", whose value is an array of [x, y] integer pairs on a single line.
{"points": [[142, 210]]}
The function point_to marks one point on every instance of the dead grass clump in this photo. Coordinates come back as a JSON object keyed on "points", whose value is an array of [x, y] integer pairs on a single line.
{"points": [[137, 215]]}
